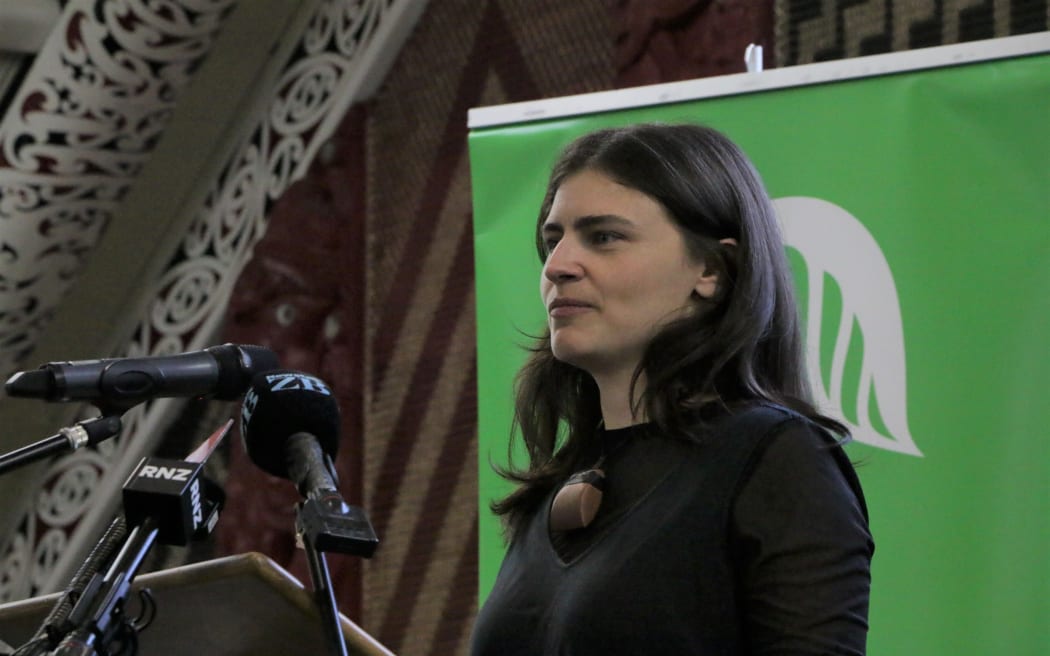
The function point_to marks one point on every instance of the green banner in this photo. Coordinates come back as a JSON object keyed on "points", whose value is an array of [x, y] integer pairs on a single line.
{"points": [[916, 209]]}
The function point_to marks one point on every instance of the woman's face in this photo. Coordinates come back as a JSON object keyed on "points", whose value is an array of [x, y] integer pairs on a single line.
{"points": [[617, 270]]}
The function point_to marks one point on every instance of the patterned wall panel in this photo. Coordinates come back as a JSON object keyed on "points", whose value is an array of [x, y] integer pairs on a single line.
{"points": [[421, 415], [302, 295], [821, 30]]}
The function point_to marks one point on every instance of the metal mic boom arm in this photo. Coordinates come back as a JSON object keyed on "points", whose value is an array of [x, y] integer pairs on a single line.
{"points": [[85, 433]]}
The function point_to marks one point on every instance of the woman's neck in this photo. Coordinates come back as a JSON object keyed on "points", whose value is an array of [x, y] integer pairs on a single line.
{"points": [[617, 402]]}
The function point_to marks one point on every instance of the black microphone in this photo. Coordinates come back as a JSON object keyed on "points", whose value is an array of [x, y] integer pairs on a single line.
{"points": [[290, 429], [221, 372]]}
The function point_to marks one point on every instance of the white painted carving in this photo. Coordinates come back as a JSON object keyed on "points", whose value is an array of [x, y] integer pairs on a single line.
{"points": [[83, 123], [833, 242]]}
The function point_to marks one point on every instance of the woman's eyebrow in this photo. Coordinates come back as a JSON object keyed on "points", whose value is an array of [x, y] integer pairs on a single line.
{"points": [[586, 222]]}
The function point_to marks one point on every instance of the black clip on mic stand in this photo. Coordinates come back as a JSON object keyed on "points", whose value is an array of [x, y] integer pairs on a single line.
{"points": [[324, 522], [84, 433]]}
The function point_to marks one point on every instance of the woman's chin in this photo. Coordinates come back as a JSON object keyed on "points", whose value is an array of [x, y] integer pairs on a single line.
{"points": [[570, 353], [587, 360]]}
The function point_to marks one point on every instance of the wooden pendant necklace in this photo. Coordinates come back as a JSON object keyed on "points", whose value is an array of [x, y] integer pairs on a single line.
{"points": [[577, 502]]}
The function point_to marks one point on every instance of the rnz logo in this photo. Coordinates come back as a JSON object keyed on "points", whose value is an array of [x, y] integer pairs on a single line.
{"points": [[180, 474], [195, 503]]}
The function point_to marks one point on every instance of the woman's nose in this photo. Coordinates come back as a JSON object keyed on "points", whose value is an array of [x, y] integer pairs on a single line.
{"points": [[563, 263]]}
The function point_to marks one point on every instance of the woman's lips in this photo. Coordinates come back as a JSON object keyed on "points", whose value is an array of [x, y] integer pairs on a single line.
{"points": [[560, 308]]}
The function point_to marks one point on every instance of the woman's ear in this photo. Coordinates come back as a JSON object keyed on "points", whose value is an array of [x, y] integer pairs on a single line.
{"points": [[707, 286]]}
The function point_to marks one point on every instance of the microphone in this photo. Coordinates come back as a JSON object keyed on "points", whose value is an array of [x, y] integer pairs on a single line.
{"points": [[290, 429], [221, 372]]}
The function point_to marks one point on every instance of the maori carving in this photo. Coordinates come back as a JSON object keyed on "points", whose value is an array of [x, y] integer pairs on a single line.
{"points": [[83, 123], [684, 39], [189, 298]]}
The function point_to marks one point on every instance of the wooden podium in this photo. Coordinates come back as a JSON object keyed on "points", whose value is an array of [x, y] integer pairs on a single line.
{"points": [[242, 605]]}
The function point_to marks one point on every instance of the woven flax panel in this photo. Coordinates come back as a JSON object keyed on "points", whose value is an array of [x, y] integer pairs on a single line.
{"points": [[420, 470], [821, 30]]}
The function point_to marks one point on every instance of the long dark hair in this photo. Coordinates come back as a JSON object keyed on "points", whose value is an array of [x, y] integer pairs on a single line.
{"points": [[744, 347]]}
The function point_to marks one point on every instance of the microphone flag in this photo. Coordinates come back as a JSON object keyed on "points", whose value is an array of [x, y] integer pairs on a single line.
{"points": [[184, 504]]}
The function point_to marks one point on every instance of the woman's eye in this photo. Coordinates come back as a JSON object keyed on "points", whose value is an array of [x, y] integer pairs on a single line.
{"points": [[603, 237], [549, 244]]}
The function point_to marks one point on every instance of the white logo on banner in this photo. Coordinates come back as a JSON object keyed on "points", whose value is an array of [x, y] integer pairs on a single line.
{"points": [[834, 243]]}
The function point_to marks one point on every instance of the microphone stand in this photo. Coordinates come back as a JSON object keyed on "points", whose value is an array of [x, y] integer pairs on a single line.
{"points": [[172, 509], [100, 614], [57, 625], [84, 433], [325, 598], [326, 523], [99, 617]]}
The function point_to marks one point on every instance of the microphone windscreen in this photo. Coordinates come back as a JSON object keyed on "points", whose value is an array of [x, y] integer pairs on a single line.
{"points": [[238, 364], [281, 403]]}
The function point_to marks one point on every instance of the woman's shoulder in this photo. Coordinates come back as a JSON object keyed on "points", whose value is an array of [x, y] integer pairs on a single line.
{"points": [[733, 440], [764, 418], [757, 424], [749, 425], [790, 449]]}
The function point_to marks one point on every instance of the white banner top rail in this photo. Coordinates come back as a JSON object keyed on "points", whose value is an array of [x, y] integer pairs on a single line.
{"points": [[776, 78]]}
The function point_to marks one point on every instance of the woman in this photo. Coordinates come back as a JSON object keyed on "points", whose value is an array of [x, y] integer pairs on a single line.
{"points": [[682, 495]]}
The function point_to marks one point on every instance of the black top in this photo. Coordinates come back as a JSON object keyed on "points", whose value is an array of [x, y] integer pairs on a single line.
{"points": [[754, 541]]}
